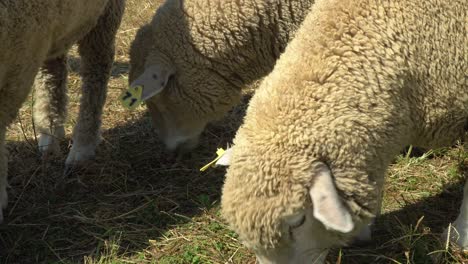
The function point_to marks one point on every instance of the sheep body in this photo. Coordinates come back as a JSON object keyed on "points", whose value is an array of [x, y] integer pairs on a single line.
{"points": [[213, 49], [361, 80], [34, 38]]}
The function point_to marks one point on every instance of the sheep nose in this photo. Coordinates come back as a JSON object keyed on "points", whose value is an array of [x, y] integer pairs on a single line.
{"points": [[179, 153], [181, 146]]}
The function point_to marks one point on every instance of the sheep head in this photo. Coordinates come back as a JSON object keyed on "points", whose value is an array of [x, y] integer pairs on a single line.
{"points": [[185, 89], [295, 228]]}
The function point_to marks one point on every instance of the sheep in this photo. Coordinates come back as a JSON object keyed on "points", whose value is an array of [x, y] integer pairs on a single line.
{"points": [[360, 80], [34, 40], [195, 57]]}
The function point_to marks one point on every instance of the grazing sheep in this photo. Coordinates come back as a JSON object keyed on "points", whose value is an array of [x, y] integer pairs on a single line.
{"points": [[34, 40], [361, 80], [196, 56]]}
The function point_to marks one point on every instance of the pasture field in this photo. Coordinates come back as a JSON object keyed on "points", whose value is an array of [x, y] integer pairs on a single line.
{"points": [[136, 204]]}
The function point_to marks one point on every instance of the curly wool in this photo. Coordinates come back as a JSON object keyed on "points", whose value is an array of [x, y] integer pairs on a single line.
{"points": [[216, 48], [361, 80], [34, 38]]}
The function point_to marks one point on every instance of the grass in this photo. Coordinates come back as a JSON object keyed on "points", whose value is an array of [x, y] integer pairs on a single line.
{"points": [[134, 204]]}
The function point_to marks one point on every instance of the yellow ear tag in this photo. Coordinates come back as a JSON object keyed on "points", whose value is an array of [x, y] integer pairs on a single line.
{"points": [[131, 98], [220, 153]]}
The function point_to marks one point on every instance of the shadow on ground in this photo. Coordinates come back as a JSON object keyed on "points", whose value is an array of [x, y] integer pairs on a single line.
{"points": [[134, 192], [413, 231]]}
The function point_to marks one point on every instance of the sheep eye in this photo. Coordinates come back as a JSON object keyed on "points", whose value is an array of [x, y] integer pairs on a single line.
{"points": [[299, 223], [296, 221]]}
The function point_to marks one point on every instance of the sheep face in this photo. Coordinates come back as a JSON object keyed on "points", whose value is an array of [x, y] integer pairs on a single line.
{"points": [[190, 100], [295, 222], [183, 93], [309, 240], [304, 240]]}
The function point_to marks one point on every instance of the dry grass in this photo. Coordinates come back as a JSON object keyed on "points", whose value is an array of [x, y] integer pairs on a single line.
{"points": [[134, 204]]}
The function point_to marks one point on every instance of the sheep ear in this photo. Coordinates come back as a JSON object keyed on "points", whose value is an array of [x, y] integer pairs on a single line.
{"points": [[327, 206], [225, 160], [153, 80]]}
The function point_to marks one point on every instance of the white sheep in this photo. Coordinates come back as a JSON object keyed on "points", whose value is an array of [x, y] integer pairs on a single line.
{"points": [[361, 80], [34, 39], [195, 56]]}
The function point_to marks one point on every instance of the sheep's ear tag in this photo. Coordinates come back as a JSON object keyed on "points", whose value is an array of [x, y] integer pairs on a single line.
{"points": [[219, 152], [131, 98], [327, 205]]}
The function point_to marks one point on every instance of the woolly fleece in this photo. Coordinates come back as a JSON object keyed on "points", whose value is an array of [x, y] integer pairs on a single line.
{"points": [[361, 80], [216, 48]]}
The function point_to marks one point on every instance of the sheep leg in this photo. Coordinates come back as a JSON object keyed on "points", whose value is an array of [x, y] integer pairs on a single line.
{"points": [[50, 104], [97, 53], [459, 228], [14, 89]]}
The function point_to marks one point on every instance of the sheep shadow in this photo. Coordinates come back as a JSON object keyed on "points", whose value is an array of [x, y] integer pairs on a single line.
{"points": [[133, 192], [411, 234]]}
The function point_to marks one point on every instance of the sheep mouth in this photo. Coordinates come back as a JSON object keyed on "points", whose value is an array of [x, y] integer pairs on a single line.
{"points": [[181, 146]]}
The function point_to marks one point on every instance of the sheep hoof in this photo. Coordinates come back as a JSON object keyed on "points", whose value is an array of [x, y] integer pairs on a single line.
{"points": [[458, 236], [79, 155], [49, 145]]}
